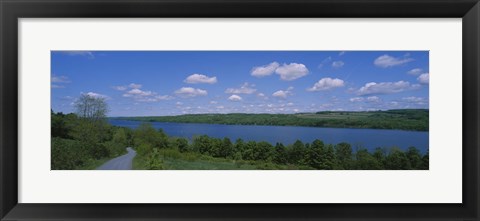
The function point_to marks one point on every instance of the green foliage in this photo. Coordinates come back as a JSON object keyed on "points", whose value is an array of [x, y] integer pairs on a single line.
{"points": [[62, 124], [315, 155], [146, 134], [414, 157], [182, 144], [120, 137], [80, 143], [280, 155], [114, 149], [365, 161], [343, 152], [154, 162], [90, 132], [397, 160], [144, 149], [297, 153], [226, 148], [425, 162], [67, 154]]}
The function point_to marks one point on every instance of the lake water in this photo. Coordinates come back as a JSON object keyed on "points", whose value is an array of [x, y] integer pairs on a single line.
{"points": [[368, 138]]}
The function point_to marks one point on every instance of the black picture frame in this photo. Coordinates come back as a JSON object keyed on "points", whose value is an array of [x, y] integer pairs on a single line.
{"points": [[12, 10]]}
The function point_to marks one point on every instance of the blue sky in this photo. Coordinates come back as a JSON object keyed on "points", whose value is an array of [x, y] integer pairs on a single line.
{"points": [[157, 83]]}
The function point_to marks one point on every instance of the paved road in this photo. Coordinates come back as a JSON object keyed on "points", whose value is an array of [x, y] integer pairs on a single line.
{"points": [[123, 162]]}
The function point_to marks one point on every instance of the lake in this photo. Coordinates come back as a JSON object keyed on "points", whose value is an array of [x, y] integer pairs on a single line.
{"points": [[368, 138]]}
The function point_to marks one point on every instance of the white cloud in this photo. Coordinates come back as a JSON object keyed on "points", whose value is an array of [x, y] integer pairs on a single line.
{"points": [[235, 98], [281, 94], [356, 99], [386, 61], [213, 102], [200, 79], [292, 71], [373, 99], [60, 79], [415, 71], [338, 64], [413, 99], [325, 61], [246, 88], [190, 92], [138, 92], [179, 103], [123, 88], [265, 70], [57, 86], [96, 95], [386, 87], [341, 53], [135, 86], [120, 88], [424, 78], [220, 107], [145, 96], [327, 84]]}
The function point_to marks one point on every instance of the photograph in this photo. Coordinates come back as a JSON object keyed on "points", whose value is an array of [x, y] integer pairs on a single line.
{"points": [[239, 110]]}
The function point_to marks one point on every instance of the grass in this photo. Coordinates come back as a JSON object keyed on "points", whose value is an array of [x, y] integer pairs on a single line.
{"points": [[174, 160], [178, 164], [93, 164]]}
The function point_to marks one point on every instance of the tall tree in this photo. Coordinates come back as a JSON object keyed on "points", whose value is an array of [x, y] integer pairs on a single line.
{"points": [[397, 160], [343, 152], [297, 153], [280, 155], [414, 157], [315, 154], [91, 107]]}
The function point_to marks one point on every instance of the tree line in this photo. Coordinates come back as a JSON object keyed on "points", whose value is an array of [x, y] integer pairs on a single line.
{"points": [[408, 119]]}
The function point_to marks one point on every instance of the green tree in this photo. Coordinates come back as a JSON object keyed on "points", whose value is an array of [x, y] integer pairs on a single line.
{"points": [[239, 148], [365, 161], [343, 153], [226, 149], [329, 157], [263, 151], [202, 144], [249, 150], [414, 157], [380, 155], [280, 155], [297, 153], [146, 134], [397, 160], [153, 161], [120, 137], [315, 155], [182, 145], [425, 163]]}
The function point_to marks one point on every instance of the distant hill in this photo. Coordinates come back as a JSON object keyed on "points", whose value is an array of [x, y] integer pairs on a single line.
{"points": [[402, 119]]}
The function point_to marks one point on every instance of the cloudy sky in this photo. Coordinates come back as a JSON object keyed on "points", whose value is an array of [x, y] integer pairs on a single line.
{"points": [[157, 83]]}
